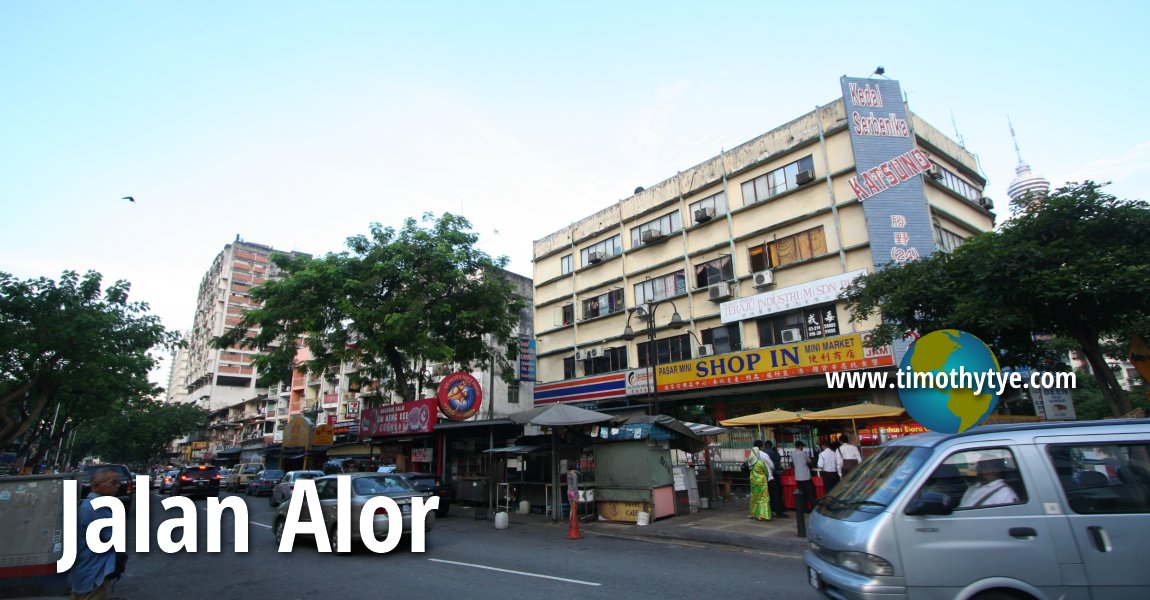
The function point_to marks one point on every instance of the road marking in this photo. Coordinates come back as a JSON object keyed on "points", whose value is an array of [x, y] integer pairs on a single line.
{"points": [[262, 525], [524, 573]]}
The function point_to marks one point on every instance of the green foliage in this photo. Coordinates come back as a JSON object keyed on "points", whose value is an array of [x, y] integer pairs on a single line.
{"points": [[397, 300], [139, 432], [69, 352], [1074, 264], [1090, 403]]}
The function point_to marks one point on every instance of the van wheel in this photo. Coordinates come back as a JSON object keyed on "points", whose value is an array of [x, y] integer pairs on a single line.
{"points": [[995, 595]]}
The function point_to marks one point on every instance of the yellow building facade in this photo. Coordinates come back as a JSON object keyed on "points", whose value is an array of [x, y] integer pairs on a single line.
{"points": [[749, 250]]}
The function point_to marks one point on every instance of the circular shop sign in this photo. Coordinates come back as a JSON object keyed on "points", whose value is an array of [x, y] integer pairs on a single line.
{"points": [[459, 396]]}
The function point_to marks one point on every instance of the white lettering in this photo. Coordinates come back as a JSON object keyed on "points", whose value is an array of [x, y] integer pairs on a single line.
{"points": [[303, 495], [216, 522], [187, 523]]}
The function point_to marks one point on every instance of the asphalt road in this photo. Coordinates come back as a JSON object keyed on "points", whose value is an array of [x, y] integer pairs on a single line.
{"points": [[465, 559]]}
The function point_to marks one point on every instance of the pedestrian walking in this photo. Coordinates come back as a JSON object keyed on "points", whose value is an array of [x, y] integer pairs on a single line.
{"points": [[829, 466], [802, 463], [762, 470], [851, 457], [93, 572], [774, 485]]}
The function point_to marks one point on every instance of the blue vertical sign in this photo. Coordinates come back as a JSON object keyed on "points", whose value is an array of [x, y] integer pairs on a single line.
{"points": [[888, 171], [888, 175], [526, 359]]}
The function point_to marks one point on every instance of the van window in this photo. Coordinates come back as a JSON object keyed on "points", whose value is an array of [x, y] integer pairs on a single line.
{"points": [[874, 484], [1108, 479], [978, 479], [249, 469]]}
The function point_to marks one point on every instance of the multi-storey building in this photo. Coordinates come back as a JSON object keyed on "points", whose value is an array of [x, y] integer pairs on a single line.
{"points": [[178, 375], [730, 271]]}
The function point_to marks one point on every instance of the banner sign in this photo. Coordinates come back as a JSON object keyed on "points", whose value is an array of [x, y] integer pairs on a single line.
{"points": [[460, 396], [407, 418], [819, 291], [527, 359], [810, 357]]}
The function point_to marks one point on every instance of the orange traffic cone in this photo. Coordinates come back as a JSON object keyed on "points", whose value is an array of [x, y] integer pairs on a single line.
{"points": [[573, 529]]}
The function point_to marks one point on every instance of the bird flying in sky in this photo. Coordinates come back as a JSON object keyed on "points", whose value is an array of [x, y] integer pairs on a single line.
{"points": [[128, 198]]}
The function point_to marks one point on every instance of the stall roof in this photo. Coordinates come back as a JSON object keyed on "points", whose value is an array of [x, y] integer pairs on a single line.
{"points": [[702, 429], [659, 427]]}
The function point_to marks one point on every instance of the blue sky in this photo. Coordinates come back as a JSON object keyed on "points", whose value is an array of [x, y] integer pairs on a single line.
{"points": [[296, 124]]}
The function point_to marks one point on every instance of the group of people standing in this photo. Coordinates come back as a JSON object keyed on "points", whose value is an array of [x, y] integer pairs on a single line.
{"points": [[836, 460]]}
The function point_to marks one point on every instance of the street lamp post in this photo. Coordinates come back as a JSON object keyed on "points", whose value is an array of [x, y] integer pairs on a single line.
{"points": [[648, 314]]}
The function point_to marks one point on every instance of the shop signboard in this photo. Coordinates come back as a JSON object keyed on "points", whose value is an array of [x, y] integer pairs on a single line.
{"points": [[527, 359], [819, 291], [1057, 403], [297, 433], [406, 418], [351, 408], [801, 359], [621, 512], [460, 396], [323, 435], [345, 428], [421, 455]]}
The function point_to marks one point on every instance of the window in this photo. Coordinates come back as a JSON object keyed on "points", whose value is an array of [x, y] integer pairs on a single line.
{"points": [[1106, 479], [602, 251], [714, 271], [947, 240], [567, 314], [977, 479], [776, 182], [569, 367], [656, 229], [804, 324], [613, 359], [723, 339], [957, 185], [708, 208], [603, 304], [513, 394], [791, 249], [565, 264], [661, 288], [669, 350]]}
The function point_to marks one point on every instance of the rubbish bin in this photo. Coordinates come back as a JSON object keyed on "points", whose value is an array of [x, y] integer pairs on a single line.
{"points": [[819, 489]]}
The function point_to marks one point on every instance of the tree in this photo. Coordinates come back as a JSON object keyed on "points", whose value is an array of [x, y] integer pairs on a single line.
{"points": [[138, 432], [400, 299], [1075, 263], [1090, 404], [68, 352]]}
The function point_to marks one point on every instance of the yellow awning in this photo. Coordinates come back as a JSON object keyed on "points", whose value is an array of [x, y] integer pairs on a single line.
{"points": [[771, 417], [865, 410]]}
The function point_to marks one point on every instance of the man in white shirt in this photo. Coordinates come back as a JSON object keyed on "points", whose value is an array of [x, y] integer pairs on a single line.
{"points": [[829, 467], [849, 455], [801, 461], [766, 458], [990, 490]]}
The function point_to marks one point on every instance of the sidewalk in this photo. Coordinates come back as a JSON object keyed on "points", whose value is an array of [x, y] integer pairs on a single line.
{"points": [[726, 525]]}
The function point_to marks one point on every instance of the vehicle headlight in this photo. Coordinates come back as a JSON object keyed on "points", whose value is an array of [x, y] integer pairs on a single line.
{"points": [[861, 562]]}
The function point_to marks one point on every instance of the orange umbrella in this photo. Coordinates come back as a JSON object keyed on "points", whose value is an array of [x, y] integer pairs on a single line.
{"points": [[866, 410]]}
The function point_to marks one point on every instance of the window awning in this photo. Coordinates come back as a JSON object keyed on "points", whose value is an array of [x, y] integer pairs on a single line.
{"points": [[513, 450]]}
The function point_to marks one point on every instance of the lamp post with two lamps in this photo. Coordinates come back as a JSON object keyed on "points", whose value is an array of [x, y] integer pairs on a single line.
{"points": [[647, 313]]}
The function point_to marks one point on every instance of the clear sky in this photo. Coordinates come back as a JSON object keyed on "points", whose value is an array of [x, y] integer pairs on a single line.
{"points": [[296, 124]]}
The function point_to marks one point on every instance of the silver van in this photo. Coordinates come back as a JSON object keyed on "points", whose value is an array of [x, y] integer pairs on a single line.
{"points": [[1001, 512]]}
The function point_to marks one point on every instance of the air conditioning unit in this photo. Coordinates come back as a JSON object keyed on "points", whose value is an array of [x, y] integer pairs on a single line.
{"points": [[581, 355], [719, 291], [934, 172], [764, 279], [651, 235], [805, 177], [706, 350], [791, 335], [704, 214], [594, 257], [986, 203], [594, 352]]}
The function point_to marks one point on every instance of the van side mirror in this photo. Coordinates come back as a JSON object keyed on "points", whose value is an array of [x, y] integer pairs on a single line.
{"points": [[930, 503]]}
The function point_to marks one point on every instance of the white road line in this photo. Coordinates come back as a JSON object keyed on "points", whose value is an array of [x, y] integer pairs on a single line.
{"points": [[260, 525], [525, 573]]}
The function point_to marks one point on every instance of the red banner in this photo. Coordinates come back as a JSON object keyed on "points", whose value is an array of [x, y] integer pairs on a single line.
{"points": [[407, 418]]}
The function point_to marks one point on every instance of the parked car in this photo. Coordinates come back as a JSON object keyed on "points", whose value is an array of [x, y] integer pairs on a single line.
{"points": [[432, 484], [240, 475], [283, 489], [167, 480], [263, 482], [363, 487], [127, 481], [202, 481], [949, 515]]}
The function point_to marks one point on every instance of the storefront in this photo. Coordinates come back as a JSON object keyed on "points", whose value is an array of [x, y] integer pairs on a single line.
{"points": [[400, 436]]}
